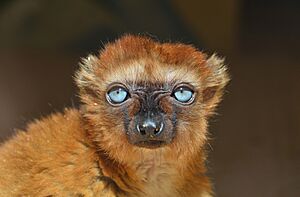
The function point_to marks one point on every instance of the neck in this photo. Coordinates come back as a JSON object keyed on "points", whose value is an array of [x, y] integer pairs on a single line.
{"points": [[154, 174]]}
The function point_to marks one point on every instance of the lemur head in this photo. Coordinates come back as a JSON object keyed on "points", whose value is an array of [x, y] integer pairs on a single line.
{"points": [[140, 95]]}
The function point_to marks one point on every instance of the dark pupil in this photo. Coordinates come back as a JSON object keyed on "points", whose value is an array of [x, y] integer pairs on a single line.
{"points": [[118, 91]]}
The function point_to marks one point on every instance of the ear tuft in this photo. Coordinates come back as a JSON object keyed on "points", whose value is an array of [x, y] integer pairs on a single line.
{"points": [[215, 83], [85, 76], [219, 77]]}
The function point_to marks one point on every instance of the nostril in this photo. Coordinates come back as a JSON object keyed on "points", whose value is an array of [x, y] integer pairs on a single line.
{"points": [[141, 129], [158, 129]]}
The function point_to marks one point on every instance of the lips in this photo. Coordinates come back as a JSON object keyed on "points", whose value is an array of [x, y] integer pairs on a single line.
{"points": [[151, 144]]}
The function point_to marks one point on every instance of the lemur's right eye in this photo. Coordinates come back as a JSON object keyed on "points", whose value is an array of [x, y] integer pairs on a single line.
{"points": [[117, 95]]}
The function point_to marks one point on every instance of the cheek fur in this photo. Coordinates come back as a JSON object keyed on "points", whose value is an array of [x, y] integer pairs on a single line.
{"points": [[134, 107], [121, 117], [171, 112], [166, 106]]}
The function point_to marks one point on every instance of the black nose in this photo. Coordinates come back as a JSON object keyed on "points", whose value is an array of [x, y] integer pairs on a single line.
{"points": [[150, 127]]}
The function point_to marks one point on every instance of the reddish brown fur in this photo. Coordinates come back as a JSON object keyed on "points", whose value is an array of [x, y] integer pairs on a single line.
{"points": [[86, 152]]}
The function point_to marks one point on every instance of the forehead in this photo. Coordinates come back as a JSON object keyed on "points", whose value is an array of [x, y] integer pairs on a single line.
{"points": [[138, 59], [142, 71]]}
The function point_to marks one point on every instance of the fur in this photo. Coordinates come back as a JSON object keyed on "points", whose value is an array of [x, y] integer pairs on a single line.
{"points": [[85, 152]]}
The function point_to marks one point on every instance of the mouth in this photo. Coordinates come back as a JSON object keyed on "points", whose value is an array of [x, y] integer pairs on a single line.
{"points": [[151, 144]]}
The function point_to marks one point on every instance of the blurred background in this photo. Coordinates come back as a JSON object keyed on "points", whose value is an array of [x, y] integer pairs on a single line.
{"points": [[256, 136]]}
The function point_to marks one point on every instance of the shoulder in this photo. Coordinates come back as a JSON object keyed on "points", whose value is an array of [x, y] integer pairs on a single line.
{"points": [[53, 154], [44, 133]]}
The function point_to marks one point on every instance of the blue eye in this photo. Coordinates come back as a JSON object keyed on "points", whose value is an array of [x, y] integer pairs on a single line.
{"points": [[183, 94], [117, 95]]}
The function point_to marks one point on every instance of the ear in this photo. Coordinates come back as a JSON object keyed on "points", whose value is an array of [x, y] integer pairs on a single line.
{"points": [[215, 82], [86, 79]]}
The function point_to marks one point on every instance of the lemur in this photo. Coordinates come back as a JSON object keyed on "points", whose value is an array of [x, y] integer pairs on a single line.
{"points": [[141, 129]]}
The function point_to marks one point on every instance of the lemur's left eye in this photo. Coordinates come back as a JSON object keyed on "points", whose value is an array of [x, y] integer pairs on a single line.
{"points": [[117, 95], [183, 94]]}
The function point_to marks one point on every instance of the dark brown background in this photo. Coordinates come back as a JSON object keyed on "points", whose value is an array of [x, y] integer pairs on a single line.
{"points": [[256, 145]]}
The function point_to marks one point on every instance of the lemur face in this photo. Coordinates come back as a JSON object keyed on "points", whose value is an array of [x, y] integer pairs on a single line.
{"points": [[140, 94], [150, 110]]}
